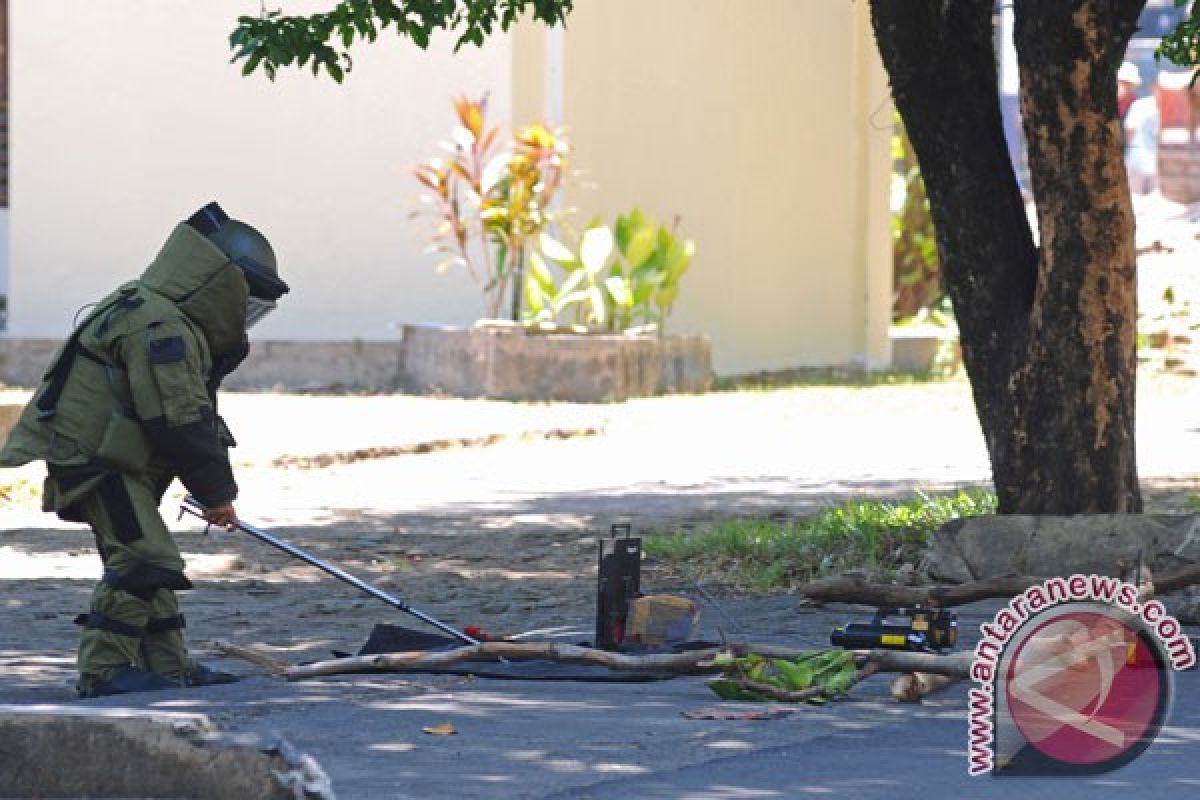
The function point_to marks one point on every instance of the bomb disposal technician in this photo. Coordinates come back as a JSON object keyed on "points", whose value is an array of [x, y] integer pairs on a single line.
{"points": [[129, 404]]}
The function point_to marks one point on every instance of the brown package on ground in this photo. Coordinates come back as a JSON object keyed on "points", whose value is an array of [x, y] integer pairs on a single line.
{"points": [[660, 619]]}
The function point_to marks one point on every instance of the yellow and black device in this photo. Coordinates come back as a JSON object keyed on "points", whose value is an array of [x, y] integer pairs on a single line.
{"points": [[928, 630]]}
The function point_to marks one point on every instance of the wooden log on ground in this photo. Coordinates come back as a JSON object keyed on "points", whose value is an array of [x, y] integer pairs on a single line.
{"points": [[273, 665], [1172, 581], [951, 665], [693, 661], [915, 686], [856, 589]]}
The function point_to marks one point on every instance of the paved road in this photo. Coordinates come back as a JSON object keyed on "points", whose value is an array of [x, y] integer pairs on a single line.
{"points": [[565, 741], [686, 458]]}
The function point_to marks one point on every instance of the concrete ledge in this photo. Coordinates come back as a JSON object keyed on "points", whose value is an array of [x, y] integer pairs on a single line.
{"points": [[503, 364], [1047, 546], [24, 361], [271, 364], [509, 364], [915, 348], [67, 751], [357, 364]]}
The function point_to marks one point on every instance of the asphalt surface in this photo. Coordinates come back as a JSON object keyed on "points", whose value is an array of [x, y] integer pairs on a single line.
{"points": [[551, 739], [683, 459]]}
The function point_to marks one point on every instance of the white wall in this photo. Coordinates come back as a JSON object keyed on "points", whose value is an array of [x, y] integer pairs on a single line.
{"points": [[127, 115], [769, 133]]}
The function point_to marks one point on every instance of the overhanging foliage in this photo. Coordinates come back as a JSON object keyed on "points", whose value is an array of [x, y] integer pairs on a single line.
{"points": [[322, 41]]}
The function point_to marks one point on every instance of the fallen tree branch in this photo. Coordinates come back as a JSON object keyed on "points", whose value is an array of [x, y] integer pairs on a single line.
{"points": [[1171, 581], [856, 589], [692, 661], [271, 664], [914, 686], [952, 665]]}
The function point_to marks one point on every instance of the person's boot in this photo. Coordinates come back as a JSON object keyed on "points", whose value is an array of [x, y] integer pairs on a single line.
{"points": [[200, 675], [123, 680]]}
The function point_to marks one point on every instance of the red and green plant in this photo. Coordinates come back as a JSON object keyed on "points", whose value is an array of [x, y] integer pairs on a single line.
{"points": [[490, 201]]}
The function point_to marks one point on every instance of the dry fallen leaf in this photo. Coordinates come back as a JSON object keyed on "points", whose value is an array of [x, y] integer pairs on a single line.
{"points": [[445, 729]]}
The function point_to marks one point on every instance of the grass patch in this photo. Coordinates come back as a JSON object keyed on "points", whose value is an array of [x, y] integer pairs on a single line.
{"points": [[768, 554]]}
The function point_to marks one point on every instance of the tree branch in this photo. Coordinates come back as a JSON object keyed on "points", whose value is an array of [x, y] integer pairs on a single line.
{"points": [[689, 662], [692, 662], [855, 589], [274, 40]]}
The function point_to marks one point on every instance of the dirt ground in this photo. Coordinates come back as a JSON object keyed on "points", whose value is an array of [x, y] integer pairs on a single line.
{"points": [[504, 535]]}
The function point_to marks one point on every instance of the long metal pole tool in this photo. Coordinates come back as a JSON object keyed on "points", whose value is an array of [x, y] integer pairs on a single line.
{"points": [[193, 507]]}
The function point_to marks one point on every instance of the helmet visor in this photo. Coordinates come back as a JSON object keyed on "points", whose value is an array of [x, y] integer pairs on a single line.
{"points": [[256, 309]]}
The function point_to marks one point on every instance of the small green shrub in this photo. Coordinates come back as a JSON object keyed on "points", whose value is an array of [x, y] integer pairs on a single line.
{"points": [[615, 280]]}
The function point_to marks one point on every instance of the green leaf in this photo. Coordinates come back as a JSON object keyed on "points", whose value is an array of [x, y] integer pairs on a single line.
{"points": [[335, 71], [666, 297], [535, 298], [595, 249], [556, 250], [797, 676], [570, 299], [641, 246], [728, 690], [572, 282], [501, 265], [678, 257], [618, 289], [623, 231], [637, 219], [252, 63], [642, 292], [539, 272], [841, 681]]}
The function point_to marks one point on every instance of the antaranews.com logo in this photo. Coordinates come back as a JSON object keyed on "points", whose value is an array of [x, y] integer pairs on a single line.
{"points": [[1075, 678]]}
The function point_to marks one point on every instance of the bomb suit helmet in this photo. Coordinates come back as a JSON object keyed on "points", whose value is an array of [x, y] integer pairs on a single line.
{"points": [[247, 248]]}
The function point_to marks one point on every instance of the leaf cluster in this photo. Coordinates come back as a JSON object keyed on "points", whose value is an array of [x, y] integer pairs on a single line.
{"points": [[831, 671], [322, 41], [489, 201], [917, 280], [616, 279], [1182, 45]]}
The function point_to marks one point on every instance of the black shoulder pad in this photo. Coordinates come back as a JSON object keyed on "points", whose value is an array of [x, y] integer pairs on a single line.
{"points": [[167, 351]]}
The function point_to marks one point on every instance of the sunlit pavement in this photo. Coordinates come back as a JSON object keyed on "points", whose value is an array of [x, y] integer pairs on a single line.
{"points": [[724, 454]]}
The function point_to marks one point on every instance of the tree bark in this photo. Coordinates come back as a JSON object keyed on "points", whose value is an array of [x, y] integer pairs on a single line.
{"points": [[1047, 333]]}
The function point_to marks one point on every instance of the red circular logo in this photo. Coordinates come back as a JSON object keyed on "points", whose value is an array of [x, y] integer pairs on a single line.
{"points": [[1084, 688]]}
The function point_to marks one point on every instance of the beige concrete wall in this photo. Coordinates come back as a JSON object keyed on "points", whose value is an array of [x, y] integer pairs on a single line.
{"points": [[766, 130], [127, 115], [766, 127]]}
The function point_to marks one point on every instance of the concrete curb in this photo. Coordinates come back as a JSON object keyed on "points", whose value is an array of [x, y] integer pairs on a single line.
{"points": [[74, 751]]}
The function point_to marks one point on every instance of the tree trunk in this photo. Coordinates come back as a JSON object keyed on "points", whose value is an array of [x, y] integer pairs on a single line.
{"points": [[1047, 334]]}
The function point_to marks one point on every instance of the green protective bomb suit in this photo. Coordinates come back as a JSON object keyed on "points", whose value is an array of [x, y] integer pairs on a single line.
{"points": [[128, 405]]}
